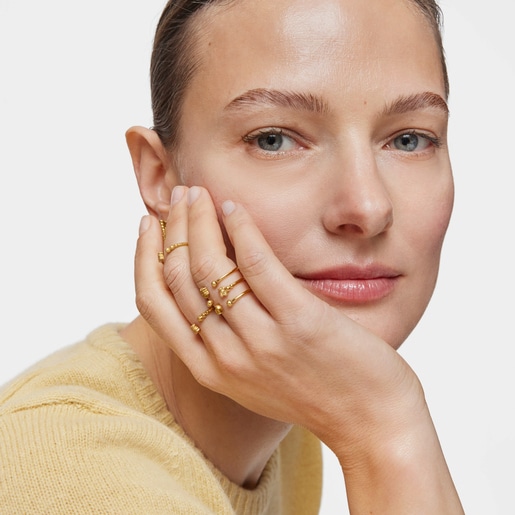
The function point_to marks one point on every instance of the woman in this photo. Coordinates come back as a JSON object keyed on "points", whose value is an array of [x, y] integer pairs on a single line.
{"points": [[299, 160]]}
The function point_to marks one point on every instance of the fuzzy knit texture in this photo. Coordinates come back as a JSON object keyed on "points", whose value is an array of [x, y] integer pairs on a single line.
{"points": [[85, 431]]}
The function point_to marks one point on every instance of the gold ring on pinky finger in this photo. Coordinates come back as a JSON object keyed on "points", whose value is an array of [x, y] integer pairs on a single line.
{"points": [[171, 248]]}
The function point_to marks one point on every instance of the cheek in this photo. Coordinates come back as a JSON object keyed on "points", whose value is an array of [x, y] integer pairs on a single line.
{"points": [[279, 210], [436, 223], [286, 222], [425, 235], [424, 218]]}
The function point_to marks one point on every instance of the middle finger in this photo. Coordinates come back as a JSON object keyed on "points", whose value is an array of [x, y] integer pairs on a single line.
{"points": [[215, 272]]}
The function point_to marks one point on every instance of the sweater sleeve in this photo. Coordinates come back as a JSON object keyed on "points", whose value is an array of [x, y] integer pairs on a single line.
{"points": [[70, 457]]}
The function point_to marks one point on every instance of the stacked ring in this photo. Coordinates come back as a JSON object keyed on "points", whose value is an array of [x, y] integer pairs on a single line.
{"points": [[230, 303], [223, 291], [211, 306], [162, 223], [171, 248]]}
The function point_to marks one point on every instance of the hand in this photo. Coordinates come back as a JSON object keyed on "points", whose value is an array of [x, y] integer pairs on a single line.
{"points": [[279, 351], [285, 354]]}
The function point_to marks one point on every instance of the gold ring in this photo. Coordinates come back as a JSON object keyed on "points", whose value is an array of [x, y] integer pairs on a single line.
{"points": [[204, 314], [230, 303], [171, 248], [161, 257], [224, 290], [214, 284], [211, 306], [162, 223]]}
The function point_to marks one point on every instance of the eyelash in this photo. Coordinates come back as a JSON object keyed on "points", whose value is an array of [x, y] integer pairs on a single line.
{"points": [[248, 138], [269, 131], [435, 141]]}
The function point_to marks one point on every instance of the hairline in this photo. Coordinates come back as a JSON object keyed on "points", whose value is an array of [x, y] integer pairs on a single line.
{"points": [[193, 32]]}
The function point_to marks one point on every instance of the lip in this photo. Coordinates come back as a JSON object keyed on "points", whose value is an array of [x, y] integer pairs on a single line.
{"points": [[351, 284]]}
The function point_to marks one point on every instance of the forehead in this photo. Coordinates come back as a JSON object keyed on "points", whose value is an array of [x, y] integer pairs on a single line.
{"points": [[334, 47]]}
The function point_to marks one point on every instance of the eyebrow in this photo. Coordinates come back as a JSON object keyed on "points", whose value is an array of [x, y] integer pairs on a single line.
{"points": [[312, 103], [276, 98], [409, 103]]}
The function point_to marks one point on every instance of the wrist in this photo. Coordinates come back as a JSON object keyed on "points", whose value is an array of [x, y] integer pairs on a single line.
{"points": [[400, 470]]}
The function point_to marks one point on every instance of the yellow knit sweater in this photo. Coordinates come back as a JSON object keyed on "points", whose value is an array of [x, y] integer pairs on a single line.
{"points": [[85, 431]]}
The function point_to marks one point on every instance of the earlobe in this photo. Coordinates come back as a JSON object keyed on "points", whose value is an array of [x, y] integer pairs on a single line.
{"points": [[152, 166]]}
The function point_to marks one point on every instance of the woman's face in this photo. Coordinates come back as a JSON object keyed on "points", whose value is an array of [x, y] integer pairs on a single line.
{"points": [[327, 121]]}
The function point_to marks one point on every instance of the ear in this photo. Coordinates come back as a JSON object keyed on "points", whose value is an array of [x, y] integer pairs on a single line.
{"points": [[154, 171]]}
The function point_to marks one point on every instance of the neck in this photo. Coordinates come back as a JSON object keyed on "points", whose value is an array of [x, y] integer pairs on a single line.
{"points": [[237, 441]]}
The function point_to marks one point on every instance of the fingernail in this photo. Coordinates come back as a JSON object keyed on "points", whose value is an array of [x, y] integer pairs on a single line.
{"points": [[193, 194], [228, 207], [144, 224], [177, 194]]}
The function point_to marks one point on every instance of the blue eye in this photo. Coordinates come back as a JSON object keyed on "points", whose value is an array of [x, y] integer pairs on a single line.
{"points": [[407, 142], [271, 140], [411, 142]]}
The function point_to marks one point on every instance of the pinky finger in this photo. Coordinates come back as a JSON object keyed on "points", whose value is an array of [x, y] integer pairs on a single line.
{"points": [[157, 305]]}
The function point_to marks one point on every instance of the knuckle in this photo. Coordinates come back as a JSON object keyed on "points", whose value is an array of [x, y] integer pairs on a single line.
{"points": [[254, 264], [302, 323], [208, 378], [200, 377], [175, 274], [145, 300], [203, 268], [228, 366]]}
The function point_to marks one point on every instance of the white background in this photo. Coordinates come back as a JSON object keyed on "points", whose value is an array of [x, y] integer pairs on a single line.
{"points": [[74, 77]]}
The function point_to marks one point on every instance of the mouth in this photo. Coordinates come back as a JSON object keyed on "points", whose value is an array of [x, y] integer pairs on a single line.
{"points": [[352, 285]]}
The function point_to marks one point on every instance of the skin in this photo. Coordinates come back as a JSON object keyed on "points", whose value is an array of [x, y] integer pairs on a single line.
{"points": [[343, 212], [337, 192]]}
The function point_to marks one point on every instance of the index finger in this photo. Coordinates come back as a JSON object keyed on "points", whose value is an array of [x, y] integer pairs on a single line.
{"points": [[262, 270]]}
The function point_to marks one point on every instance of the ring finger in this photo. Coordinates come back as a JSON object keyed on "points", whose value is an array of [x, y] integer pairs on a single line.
{"points": [[196, 306], [214, 272]]}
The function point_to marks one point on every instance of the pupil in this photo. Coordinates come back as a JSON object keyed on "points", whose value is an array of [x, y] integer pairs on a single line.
{"points": [[408, 142], [270, 141]]}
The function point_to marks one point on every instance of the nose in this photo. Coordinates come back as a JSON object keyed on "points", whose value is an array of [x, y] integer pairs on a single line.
{"points": [[359, 202]]}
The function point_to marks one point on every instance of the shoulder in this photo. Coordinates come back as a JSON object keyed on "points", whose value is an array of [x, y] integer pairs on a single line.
{"points": [[101, 370], [85, 428]]}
